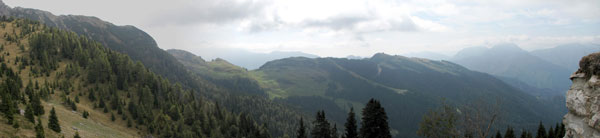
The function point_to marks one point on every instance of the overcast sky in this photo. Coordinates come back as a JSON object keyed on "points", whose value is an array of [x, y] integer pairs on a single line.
{"points": [[344, 27]]}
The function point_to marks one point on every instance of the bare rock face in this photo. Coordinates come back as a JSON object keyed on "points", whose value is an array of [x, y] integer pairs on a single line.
{"points": [[583, 100]]}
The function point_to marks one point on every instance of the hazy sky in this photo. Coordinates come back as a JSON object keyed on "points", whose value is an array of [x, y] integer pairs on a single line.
{"points": [[344, 27]]}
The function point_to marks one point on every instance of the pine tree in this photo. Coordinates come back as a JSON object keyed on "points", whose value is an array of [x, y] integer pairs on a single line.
{"points": [[557, 131], [53, 121], [541, 133], [128, 122], [374, 121], [8, 107], [38, 109], [15, 125], [351, 130], [321, 128], [101, 103], [509, 133], [85, 114], [562, 130], [498, 135], [29, 113], [523, 133], [551, 133], [92, 96], [39, 129], [112, 117], [334, 133], [76, 135], [301, 133]]}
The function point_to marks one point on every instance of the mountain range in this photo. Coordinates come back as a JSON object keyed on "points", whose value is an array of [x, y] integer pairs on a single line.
{"points": [[142, 48], [282, 90], [408, 87], [545, 70], [251, 60]]}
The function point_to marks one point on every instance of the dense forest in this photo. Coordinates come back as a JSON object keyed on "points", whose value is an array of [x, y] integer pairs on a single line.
{"points": [[44, 65]]}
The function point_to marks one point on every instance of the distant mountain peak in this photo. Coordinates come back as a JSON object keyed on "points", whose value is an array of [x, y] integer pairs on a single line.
{"points": [[506, 47]]}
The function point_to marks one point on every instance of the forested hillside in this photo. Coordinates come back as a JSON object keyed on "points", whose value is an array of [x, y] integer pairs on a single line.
{"points": [[97, 92], [408, 87], [241, 93], [139, 46], [129, 40]]}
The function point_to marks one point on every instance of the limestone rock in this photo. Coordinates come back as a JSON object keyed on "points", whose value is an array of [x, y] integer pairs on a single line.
{"points": [[583, 100]]}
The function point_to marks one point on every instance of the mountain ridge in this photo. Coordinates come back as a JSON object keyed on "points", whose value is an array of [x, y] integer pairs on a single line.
{"points": [[511, 61], [339, 83]]}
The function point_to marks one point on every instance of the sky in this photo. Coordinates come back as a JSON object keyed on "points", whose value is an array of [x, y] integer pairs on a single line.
{"points": [[338, 28]]}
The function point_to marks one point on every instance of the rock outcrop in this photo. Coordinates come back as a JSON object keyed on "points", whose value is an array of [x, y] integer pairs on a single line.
{"points": [[583, 100]]}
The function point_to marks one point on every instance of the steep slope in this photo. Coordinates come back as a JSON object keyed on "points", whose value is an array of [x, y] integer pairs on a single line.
{"points": [[139, 46], [407, 87], [583, 99], [124, 99], [508, 60], [566, 55], [129, 40]]}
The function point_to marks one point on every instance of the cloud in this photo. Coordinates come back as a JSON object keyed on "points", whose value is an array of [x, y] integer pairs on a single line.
{"points": [[344, 27], [210, 12]]}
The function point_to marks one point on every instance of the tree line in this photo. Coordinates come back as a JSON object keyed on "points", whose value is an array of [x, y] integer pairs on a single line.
{"points": [[448, 122], [374, 124]]}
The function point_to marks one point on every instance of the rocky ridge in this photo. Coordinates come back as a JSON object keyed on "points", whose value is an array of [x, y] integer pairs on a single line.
{"points": [[583, 100]]}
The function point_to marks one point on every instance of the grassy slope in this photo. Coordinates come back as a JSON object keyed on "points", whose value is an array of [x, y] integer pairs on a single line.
{"points": [[98, 123]]}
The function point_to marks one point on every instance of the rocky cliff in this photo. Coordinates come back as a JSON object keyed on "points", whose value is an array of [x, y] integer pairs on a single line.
{"points": [[583, 100]]}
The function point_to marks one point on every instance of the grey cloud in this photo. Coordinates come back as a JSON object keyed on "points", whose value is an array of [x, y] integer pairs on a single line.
{"points": [[260, 26], [337, 22], [211, 12], [349, 23]]}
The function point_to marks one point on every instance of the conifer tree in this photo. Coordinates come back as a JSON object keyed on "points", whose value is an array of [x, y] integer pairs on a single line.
{"points": [[15, 125], [321, 128], [128, 122], [557, 130], [351, 130], [29, 113], [53, 121], [7, 106], [76, 135], [510, 133], [38, 109], [39, 129], [524, 134], [301, 133], [562, 130], [551, 133], [374, 121], [498, 135], [85, 114], [334, 133], [541, 133]]}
